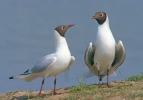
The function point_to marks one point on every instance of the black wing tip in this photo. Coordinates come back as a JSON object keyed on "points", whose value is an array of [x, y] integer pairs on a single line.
{"points": [[11, 77], [26, 71]]}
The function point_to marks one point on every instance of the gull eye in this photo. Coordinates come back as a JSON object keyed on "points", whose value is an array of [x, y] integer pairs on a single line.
{"points": [[63, 27], [101, 15]]}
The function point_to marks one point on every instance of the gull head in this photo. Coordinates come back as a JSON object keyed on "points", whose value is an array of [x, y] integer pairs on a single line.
{"points": [[63, 28]]}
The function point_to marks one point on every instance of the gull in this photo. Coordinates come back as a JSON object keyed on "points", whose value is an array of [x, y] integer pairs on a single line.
{"points": [[104, 56], [52, 64]]}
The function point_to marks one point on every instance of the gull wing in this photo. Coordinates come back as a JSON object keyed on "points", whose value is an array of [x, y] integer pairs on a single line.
{"points": [[44, 63], [89, 55], [71, 62], [119, 58], [89, 60]]}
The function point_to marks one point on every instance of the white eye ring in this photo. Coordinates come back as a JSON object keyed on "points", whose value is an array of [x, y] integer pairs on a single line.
{"points": [[62, 27]]}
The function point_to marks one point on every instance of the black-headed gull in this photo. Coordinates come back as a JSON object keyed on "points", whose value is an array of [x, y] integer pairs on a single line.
{"points": [[105, 56], [52, 64]]}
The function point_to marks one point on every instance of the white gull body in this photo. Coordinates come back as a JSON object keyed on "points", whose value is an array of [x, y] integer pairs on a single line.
{"points": [[105, 56], [105, 47], [52, 64]]}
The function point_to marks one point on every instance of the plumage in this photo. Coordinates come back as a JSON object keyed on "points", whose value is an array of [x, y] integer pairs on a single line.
{"points": [[104, 56], [52, 64]]}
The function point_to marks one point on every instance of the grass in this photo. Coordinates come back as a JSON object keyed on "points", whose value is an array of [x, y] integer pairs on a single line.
{"points": [[136, 95], [130, 89], [135, 78], [122, 90]]}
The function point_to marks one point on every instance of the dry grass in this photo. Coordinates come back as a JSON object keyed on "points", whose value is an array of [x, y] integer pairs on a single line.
{"points": [[126, 90]]}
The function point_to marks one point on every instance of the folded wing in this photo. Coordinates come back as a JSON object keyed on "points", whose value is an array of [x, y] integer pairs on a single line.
{"points": [[44, 63]]}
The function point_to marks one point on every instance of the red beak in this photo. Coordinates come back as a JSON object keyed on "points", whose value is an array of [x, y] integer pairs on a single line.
{"points": [[70, 25]]}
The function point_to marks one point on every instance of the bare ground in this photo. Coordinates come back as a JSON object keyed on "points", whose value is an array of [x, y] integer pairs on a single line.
{"points": [[118, 91]]}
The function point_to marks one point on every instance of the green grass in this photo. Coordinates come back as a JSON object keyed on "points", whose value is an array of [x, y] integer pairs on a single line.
{"points": [[81, 88], [84, 91], [136, 95], [89, 90], [135, 78], [40, 99], [130, 89]]}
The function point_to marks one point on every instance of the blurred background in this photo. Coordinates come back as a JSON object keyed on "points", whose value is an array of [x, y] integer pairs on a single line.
{"points": [[26, 35]]}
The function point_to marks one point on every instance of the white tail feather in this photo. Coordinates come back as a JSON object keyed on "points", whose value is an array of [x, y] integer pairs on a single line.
{"points": [[26, 78]]}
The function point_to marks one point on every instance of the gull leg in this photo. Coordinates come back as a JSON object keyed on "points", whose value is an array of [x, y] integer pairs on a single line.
{"points": [[54, 93], [40, 94], [107, 77], [99, 79]]}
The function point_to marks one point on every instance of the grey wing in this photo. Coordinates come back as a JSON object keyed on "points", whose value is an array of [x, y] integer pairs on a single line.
{"points": [[89, 55], [119, 57], [44, 63], [118, 60], [89, 60], [71, 62]]}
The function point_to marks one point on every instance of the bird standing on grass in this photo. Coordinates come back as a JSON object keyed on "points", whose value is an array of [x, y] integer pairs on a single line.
{"points": [[52, 64], [104, 56]]}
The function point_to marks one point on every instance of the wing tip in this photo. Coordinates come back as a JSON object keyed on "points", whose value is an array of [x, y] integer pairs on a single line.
{"points": [[11, 77], [90, 44], [26, 71], [121, 43]]}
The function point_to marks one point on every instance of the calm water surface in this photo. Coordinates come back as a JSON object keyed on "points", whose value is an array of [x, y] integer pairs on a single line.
{"points": [[26, 35]]}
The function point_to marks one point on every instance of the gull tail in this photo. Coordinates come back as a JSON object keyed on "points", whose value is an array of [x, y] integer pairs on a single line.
{"points": [[26, 76], [18, 77]]}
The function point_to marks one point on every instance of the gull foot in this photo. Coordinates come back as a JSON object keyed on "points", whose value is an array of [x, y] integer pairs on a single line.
{"points": [[109, 86], [55, 93], [41, 95], [99, 86]]}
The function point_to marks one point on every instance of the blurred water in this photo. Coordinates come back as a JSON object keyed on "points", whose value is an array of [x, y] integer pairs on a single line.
{"points": [[26, 35]]}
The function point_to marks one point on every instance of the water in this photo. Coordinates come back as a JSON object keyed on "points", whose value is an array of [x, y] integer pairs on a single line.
{"points": [[26, 35]]}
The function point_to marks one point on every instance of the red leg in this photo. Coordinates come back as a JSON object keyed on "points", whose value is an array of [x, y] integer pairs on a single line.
{"points": [[40, 94]]}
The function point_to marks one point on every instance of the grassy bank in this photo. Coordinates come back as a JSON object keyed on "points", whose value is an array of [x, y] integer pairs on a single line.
{"points": [[130, 89]]}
